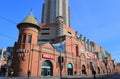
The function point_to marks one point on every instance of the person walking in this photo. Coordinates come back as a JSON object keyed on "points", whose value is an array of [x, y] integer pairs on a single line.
{"points": [[94, 73], [28, 74], [11, 72]]}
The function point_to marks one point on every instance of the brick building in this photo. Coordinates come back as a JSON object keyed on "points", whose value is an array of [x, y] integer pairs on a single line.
{"points": [[79, 54], [40, 46]]}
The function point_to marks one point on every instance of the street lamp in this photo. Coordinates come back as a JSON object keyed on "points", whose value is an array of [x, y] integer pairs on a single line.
{"points": [[60, 60], [60, 22]]}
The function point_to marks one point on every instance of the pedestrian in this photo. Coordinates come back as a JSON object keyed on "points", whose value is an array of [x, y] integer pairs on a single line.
{"points": [[29, 74], [75, 72], [85, 72], [94, 73], [6, 72], [11, 72]]}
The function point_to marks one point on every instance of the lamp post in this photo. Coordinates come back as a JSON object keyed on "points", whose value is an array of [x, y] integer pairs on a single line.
{"points": [[60, 22], [60, 59]]}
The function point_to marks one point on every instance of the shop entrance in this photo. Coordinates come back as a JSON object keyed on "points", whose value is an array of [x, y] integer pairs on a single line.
{"points": [[84, 70], [98, 70], [70, 69], [47, 68]]}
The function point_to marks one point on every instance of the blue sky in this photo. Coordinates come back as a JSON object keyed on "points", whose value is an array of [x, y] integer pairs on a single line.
{"points": [[98, 20]]}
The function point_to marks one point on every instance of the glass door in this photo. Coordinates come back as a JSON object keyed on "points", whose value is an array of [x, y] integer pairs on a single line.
{"points": [[47, 68], [48, 72]]}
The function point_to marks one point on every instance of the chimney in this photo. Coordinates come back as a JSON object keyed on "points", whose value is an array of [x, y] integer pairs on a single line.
{"points": [[88, 41], [84, 39], [80, 37], [76, 33]]}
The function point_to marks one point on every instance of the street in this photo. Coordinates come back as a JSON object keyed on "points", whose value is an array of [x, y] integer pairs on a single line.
{"points": [[116, 76]]}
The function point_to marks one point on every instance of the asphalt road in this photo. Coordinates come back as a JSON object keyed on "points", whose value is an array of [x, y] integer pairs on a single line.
{"points": [[116, 76]]}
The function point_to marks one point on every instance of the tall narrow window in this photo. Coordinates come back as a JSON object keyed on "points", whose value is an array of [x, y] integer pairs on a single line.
{"points": [[92, 49], [87, 47], [24, 38], [29, 38], [20, 38], [77, 51]]}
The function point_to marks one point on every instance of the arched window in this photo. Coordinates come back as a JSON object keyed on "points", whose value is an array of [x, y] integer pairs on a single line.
{"points": [[70, 69], [47, 68], [29, 38], [24, 38], [101, 55]]}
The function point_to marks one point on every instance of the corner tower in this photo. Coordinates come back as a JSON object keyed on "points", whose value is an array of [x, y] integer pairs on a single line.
{"points": [[28, 34], [29, 29]]}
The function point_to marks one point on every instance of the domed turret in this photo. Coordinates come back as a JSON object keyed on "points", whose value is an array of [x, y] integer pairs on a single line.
{"points": [[30, 19], [28, 36]]}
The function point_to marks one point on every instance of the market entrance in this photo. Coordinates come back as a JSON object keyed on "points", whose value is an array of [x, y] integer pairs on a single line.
{"points": [[70, 69], [47, 68], [98, 70], [84, 70]]}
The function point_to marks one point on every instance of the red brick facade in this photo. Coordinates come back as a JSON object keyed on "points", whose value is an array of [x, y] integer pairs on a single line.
{"points": [[32, 56], [81, 56]]}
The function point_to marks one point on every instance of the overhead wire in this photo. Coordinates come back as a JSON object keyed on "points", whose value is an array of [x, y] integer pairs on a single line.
{"points": [[6, 19], [7, 36], [1, 17]]}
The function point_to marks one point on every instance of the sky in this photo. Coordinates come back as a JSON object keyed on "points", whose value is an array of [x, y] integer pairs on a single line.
{"points": [[97, 20]]}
